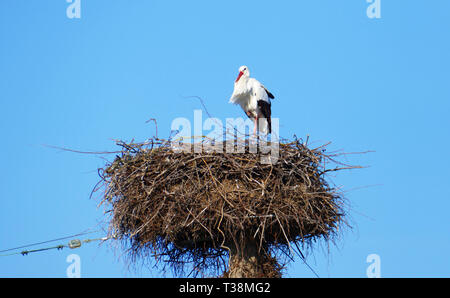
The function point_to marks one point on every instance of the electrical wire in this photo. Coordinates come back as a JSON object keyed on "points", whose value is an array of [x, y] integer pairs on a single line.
{"points": [[25, 252], [48, 241], [74, 243]]}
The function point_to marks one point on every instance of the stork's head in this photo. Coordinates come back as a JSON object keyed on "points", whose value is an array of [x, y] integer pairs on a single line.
{"points": [[243, 72]]}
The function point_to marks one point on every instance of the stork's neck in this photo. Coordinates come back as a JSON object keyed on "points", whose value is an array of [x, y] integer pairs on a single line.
{"points": [[242, 80]]}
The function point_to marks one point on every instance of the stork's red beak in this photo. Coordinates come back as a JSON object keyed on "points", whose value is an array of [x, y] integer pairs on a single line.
{"points": [[239, 76]]}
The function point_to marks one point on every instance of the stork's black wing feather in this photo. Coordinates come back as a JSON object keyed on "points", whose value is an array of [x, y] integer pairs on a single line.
{"points": [[264, 106], [268, 93]]}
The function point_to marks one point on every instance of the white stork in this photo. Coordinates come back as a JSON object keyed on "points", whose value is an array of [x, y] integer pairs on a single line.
{"points": [[254, 99]]}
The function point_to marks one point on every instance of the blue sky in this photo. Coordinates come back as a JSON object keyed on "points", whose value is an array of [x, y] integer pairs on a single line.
{"points": [[363, 84]]}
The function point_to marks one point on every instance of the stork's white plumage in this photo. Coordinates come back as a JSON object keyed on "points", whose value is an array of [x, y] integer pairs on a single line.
{"points": [[254, 99]]}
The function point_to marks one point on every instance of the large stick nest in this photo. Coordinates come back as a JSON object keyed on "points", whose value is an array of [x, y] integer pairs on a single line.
{"points": [[196, 208]]}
